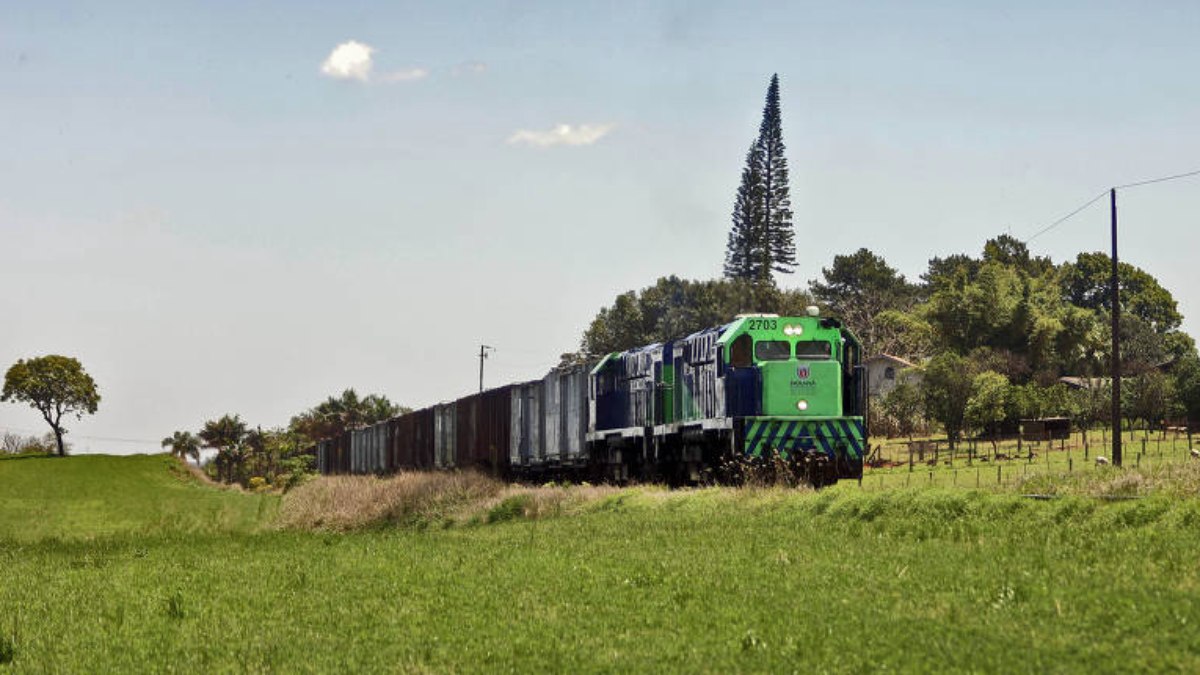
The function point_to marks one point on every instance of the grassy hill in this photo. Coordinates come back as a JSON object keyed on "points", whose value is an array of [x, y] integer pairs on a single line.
{"points": [[92, 496], [716, 580]]}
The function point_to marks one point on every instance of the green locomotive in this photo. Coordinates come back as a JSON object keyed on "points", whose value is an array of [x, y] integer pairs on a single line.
{"points": [[762, 389]]}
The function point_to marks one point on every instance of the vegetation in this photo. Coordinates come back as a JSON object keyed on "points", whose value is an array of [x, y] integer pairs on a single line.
{"points": [[761, 239], [675, 307], [90, 496], [635, 579], [56, 386], [183, 444]]}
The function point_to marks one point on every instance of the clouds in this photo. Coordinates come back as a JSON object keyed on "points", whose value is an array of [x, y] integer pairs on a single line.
{"points": [[562, 134], [351, 60], [355, 61]]}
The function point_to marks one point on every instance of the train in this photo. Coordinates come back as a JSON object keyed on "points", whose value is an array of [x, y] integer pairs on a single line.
{"points": [[761, 392]]}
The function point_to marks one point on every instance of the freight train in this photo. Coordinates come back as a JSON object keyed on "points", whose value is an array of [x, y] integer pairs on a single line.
{"points": [[762, 390]]}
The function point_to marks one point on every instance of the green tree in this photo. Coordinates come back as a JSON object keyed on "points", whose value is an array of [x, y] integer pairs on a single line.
{"points": [[1148, 397], [56, 386], [1086, 283], [858, 288], [747, 246], [904, 405], [675, 307], [988, 402], [1012, 252], [946, 385], [183, 444], [762, 220], [225, 435], [335, 415], [1187, 385]]}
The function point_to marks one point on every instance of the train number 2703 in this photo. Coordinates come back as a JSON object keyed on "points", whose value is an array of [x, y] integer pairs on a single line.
{"points": [[763, 324]]}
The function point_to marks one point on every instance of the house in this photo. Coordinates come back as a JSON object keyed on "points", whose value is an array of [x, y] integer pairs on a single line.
{"points": [[882, 371]]}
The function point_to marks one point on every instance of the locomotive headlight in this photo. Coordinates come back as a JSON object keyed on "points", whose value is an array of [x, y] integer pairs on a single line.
{"points": [[802, 405], [793, 330]]}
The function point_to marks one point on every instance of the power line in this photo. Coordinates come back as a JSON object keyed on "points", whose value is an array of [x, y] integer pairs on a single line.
{"points": [[1065, 218], [1095, 199], [1189, 174]]}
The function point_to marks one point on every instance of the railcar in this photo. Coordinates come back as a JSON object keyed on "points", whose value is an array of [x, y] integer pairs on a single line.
{"points": [[759, 389], [762, 389]]}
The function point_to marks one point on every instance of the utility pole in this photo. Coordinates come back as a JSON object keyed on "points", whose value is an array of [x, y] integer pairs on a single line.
{"points": [[1116, 337], [483, 354]]}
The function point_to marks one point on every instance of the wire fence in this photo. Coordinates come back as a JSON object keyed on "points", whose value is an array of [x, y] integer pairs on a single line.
{"points": [[982, 463]]}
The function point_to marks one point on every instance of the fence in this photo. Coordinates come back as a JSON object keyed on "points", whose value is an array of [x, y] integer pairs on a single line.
{"points": [[983, 463]]}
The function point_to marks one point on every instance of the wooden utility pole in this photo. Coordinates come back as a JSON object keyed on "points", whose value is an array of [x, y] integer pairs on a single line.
{"points": [[1116, 337], [483, 354]]}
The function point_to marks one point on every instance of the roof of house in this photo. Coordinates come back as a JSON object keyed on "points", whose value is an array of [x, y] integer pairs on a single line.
{"points": [[1085, 382]]}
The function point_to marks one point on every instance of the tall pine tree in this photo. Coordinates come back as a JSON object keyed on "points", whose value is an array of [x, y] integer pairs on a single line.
{"points": [[762, 240], [744, 253]]}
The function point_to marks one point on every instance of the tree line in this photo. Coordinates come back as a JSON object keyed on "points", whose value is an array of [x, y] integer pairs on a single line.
{"points": [[281, 456], [991, 333]]}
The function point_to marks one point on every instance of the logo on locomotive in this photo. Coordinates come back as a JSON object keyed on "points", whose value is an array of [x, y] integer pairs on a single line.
{"points": [[802, 372]]}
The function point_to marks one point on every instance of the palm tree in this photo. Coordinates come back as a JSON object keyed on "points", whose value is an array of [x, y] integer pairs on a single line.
{"points": [[226, 435], [183, 445]]}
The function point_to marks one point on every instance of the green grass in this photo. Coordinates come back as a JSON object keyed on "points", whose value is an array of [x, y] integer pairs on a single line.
{"points": [[718, 580], [94, 496]]}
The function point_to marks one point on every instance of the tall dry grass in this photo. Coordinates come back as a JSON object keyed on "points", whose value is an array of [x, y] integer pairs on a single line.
{"points": [[421, 499], [1176, 479]]}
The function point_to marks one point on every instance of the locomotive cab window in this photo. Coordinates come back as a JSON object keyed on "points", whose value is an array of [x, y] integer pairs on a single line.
{"points": [[818, 349], [772, 350], [739, 351]]}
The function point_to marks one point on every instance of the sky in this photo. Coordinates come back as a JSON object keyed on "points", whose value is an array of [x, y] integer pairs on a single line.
{"points": [[224, 207]]}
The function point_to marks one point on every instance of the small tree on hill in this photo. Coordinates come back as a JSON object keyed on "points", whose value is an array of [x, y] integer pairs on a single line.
{"points": [[183, 444], [56, 386]]}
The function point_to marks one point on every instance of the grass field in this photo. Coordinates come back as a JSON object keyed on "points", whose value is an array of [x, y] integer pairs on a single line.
{"points": [[917, 580]]}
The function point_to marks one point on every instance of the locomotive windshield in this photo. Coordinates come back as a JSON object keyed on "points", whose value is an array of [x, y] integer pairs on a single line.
{"points": [[818, 349], [772, 350]]}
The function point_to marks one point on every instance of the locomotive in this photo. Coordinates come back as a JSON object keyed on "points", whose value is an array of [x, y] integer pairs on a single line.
{"points": [[760, 390]]}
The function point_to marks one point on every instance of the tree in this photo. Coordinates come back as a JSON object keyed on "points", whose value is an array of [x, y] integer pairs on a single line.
{"points": [[335, 415], [225, 435], [762, 239], [744, 253], [56, 386], [1187, 389], [183, 445], [946, 384], [675, 307], [1148, 398], [988, 401], [857, 288], [903, 405], [1086, 283]]}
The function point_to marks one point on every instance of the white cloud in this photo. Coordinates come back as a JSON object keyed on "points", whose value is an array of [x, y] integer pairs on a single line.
{"points": [[406, 75], [563, 134], [350, 60]]}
